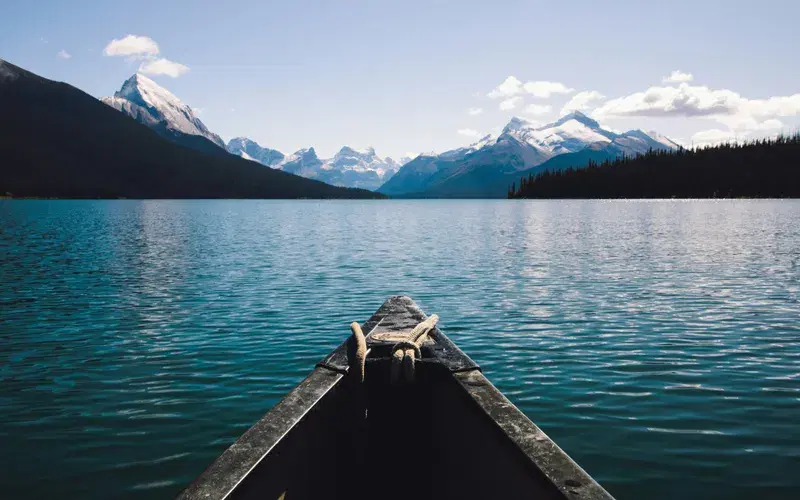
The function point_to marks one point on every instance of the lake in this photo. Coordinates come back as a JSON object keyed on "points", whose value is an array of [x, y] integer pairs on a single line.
{"points": [[657, 342]]}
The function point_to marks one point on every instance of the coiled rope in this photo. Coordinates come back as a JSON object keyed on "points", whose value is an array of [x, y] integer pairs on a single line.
{"points": [[404, 353], [407, 351]]}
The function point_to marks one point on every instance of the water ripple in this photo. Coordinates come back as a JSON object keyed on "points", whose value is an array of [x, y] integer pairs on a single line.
{"points": [[656, 341]]}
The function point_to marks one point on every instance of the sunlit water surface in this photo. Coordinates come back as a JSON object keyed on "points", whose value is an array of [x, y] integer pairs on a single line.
{"points": [[657, 342]]}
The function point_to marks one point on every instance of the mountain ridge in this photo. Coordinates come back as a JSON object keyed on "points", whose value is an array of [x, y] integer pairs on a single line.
{"points": [[523, 146], [156, 107], [349, 167], [58, 141]]}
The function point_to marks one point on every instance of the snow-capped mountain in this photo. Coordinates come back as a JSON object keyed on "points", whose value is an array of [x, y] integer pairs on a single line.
{"points": [[250, 150], [304, 162], [363, 166], [154, 106], [576, 131], [483, 169], [570, 133], [639, 141], [349, 167]]}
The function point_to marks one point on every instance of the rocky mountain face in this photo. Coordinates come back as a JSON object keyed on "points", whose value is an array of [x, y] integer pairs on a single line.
{"points": [[250, 150], [154, 106]]}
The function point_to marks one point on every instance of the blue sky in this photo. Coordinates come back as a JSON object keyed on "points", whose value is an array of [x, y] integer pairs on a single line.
{"points": [[402, 76]]}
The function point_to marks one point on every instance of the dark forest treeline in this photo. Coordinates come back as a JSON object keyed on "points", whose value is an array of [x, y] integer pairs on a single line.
{"points": [[768, 168]]}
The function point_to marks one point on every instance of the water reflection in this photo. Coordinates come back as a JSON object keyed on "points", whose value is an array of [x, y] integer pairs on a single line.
{"points": [[656, 341]]}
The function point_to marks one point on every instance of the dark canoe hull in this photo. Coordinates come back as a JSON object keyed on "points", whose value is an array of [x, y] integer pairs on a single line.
{"points": [[449, 434]]}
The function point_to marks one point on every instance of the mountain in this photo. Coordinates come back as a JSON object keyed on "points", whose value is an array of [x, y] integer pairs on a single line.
{"points": [[569, 134], [487, 168], [419, 173], [348, 168], [57, 141], [154, 106], [250, 150], [150, 104], [357, 168], [304, 163]]}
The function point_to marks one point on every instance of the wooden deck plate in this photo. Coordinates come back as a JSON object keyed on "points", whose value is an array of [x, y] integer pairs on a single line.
{"points": [[393, 336]]}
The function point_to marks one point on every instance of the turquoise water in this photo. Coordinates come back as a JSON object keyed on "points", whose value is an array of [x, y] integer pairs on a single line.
{"points": [[657, 342]]}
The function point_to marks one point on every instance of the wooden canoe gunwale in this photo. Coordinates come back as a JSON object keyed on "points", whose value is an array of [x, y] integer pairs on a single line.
{"points": [[532, 446], [222, 477]]}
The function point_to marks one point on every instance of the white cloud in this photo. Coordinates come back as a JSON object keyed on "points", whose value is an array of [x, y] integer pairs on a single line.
{"points": [[474, 111], [678, 76], [684, 100], [145, 49], [510, 87], [746, 132], [132, 45], [198, 111], [712, 137], [722, 105], [468, 132], [162, 66], [581, 100], [546, 89], [510, 103], [538, 109], [63, 54]]}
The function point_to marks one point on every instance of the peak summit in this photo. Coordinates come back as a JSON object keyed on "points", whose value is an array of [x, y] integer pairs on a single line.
{"points": [[138, 84], [146, 97], [579, 117], [515, 124], [348, 151]]}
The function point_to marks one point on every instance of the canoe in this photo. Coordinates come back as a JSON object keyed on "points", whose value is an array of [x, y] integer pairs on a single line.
{"points": [[427, 426]]}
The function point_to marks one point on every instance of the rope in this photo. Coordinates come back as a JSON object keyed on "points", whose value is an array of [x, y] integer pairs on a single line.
{"points": [[404, 353], [360, 358], [407, 351]]}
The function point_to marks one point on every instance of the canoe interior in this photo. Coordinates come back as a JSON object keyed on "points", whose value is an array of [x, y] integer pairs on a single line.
{"points": [[449, 434], [427, 438]]}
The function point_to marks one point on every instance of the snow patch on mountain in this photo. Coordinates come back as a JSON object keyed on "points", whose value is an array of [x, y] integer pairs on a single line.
{"points": [[249, 149], [569, 134], [349, 167], [521, 145], [146, 101]]}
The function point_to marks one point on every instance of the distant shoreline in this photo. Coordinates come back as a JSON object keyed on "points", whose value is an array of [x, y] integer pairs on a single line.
{"points": [[42, 198]]}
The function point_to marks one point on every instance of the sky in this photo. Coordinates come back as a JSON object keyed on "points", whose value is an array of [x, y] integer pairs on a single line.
{"points": [[409, 76]]}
